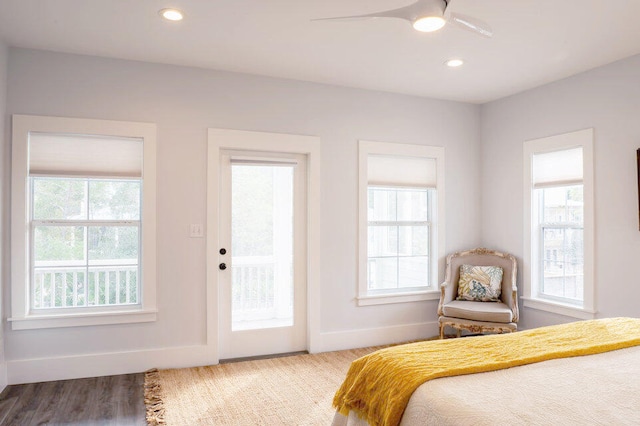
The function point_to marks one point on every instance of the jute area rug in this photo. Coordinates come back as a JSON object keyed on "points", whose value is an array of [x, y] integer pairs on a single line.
{"points": [[293, 390]]}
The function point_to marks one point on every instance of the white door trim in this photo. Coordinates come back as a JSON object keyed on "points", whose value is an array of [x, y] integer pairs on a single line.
{"points": [[226, 139]]}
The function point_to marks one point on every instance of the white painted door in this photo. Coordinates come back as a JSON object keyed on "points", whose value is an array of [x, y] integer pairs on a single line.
{"points": [[262, 254]]}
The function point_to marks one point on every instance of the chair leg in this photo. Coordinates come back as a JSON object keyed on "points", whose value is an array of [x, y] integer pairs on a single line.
{"points": [[458, 332], [441, 331]]}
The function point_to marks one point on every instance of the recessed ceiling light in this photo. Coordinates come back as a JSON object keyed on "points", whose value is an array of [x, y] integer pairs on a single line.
{"points": [[454, 63], [428, 24], [171, 14]]}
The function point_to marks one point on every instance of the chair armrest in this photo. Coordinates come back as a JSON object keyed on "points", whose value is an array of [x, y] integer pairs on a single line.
{"points": [[510, 295], [447, 294], [511, 300], [514, 305]]}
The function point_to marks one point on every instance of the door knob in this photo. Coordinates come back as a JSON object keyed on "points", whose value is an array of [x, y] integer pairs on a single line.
{"points": [[223, 251], [222, 266]]}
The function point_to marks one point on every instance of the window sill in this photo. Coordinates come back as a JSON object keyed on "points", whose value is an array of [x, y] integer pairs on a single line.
{"points": [[31, 322], [382, 299], [559, 308]]}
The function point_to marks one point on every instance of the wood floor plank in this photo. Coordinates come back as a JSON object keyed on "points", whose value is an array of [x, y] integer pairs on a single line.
{"points": [[104, 407], [129, 407], [48, 393], [22, 411], [110, 400], [6, 405], [73, 401]]}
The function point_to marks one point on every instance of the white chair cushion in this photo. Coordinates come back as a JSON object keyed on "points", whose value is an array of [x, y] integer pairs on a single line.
{"points": [[479, 311]]}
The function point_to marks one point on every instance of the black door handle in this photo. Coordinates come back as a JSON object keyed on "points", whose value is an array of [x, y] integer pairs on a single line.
{"points": [[222, 266]]}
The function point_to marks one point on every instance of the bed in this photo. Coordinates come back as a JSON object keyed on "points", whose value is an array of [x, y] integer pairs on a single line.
{"points": [[588, 374]]}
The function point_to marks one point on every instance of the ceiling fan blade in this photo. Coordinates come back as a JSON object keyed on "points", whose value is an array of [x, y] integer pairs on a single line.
{"points": [[471, 24], [408, 13], [346, 18]]}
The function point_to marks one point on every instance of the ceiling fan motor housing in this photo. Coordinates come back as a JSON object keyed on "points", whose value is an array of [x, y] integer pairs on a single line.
{"points": [[423, 9]]}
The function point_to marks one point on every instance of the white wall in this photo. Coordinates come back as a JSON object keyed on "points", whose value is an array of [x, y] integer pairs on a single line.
{"points": [[4, 198], [607, 99], [184, 102]]}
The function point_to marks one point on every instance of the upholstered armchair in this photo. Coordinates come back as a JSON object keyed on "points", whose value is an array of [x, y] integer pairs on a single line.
{"points": [[471, 314]]}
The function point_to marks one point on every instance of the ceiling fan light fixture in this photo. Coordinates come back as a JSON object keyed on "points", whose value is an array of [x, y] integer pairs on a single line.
{"points": [[454, 63], [428, 24], [171, 14]]}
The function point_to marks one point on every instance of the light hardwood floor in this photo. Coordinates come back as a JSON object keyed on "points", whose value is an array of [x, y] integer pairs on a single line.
{"points": [[111, 400]]}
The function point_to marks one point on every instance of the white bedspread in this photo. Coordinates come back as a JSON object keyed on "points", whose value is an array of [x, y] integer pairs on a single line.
{"points": [[602, 389]]}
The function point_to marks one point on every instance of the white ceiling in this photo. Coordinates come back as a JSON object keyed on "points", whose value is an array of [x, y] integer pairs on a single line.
{"points": [[534, 42]]}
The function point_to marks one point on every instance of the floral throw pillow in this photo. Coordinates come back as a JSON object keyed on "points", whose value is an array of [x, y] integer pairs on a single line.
{"points": [[480, 283]]}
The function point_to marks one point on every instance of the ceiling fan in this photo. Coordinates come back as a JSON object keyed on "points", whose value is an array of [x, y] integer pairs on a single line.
{"points": [[427, 16]]}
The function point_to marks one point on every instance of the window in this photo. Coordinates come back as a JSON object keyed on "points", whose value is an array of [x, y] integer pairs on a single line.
{"points": [[401, 222], [398, 238], [561, 228], [85, 235], [559, 224], [84, 200]]}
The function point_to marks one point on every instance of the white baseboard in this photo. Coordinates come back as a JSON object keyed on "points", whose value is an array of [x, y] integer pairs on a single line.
{"points": [[106, 364], [339, 340]]}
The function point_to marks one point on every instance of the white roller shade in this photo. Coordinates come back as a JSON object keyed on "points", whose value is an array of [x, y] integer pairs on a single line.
{"points": [[401, 171], [84, 155], [557, 167]]}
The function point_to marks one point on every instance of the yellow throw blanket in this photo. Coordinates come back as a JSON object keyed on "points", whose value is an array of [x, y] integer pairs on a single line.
{"points": [[378, 386]]}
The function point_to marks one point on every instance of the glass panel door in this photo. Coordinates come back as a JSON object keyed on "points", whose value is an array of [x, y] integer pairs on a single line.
{"points": [[263, 254], [262, 246]]}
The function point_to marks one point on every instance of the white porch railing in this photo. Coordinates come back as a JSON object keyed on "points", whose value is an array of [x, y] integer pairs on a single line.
{"points": [[255, 295], [253, 288], [65, 287]]}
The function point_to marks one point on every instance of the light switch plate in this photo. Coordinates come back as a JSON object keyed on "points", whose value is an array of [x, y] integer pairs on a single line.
{"points": [[196, 230]]}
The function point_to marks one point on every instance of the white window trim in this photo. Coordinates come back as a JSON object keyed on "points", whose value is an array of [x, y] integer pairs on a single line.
{"points": [[367, 148], [21, 317], [584, 139]]}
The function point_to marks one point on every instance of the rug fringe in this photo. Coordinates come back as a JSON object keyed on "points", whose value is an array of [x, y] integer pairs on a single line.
{"points": [[153, 398]]}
